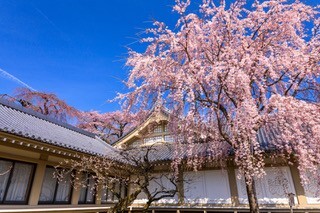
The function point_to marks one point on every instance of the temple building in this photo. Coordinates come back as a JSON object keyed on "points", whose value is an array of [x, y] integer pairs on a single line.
{"points": [[31, 145]]}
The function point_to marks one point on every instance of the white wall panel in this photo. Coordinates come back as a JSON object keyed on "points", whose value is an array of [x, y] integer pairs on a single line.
{"points": [[160, 183], [312, 191], [194, 187], [211, 186], [164, 183], [273, 188]]}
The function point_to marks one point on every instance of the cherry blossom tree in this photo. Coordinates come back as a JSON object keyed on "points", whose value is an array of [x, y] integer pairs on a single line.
{"points": [[227, 71], [46, 103], [133, 168], [109, 126]]}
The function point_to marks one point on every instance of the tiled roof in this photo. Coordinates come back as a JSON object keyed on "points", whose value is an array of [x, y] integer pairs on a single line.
{"points": [[165, 151], [17, 120]]}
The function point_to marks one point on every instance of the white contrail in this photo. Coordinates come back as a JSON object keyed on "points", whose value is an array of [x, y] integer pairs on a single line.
{"points": [[13, 78], [47, 18]]}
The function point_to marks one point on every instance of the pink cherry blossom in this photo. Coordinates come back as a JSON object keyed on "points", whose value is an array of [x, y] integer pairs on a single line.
{"points": [[227, 72]]}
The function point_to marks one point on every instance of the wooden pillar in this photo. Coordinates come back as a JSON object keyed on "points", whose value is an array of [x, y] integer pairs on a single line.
{"points": [[233, 186], [98, 194], [180, 185], [37, 182], [300, 193], [76, 191]]}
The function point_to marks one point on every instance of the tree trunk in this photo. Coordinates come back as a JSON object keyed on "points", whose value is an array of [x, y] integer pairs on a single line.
{"points": [[146, 207], [252, 195]]}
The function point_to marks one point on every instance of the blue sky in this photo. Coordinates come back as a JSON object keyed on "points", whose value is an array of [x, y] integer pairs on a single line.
{"points": [[75, 48]]}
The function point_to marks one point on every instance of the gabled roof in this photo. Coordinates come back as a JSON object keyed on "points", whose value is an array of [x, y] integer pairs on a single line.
{"points": [[20, 121], [155, 115]]}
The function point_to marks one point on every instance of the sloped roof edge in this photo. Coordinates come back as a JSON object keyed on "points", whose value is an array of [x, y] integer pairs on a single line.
{"points": [[45, 117], [134, 129], [19, 121]]}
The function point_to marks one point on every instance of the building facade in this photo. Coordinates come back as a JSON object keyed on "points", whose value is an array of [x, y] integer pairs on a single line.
{"points": [[31, 145], [214, 189]]}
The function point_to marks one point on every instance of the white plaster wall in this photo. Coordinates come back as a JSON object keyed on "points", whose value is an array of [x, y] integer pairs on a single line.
{"points": [[211, 186], [312, 191], [273, 188], [161, 182]]}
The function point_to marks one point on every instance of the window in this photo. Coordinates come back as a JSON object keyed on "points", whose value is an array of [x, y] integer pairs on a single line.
{"points": [[15, 181], [55, 191], [166, 128], [152, 140], [108, 196], [168, 138], [87, 194], [158, 129]]}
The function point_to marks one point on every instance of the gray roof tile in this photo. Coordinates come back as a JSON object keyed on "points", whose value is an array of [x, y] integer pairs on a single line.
{"points": [[163, 151], [20, 121]]}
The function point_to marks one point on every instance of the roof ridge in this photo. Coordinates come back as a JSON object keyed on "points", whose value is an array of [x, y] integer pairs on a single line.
{"points": [[44, 117]]}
